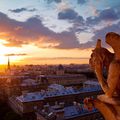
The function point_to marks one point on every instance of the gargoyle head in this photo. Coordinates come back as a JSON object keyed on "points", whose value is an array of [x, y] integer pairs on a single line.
{"points": [[113, 39]]}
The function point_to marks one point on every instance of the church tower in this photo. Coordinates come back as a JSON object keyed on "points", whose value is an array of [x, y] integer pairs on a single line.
{"points": [[8, 63]]}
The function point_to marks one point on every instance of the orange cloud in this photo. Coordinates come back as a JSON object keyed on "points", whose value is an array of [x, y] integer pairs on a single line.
{"points": [[33, 31]]}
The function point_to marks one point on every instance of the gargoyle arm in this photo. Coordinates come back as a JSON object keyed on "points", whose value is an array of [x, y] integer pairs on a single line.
{"points": [[113, 77], [99, 74]]}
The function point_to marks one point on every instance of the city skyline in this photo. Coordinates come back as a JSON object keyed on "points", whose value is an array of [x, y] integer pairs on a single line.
{"points": [[54, 31]]}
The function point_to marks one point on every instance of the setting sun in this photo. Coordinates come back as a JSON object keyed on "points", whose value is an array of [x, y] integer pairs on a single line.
{"points": [[7, 50], [3, 60], [36, 55]]}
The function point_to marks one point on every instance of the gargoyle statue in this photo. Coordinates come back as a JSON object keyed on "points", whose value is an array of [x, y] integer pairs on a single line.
{"points": [[101, 58]]}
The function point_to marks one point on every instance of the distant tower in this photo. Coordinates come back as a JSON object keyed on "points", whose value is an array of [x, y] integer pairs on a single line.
{"points": [[8, 63], [60, 70]]}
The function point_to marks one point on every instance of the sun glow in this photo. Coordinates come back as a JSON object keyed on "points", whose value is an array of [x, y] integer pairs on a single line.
{"points": [[34, 55], [7, 50]]}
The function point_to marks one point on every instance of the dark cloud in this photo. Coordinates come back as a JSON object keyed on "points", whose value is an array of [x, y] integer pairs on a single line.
{"points": [[79, 24], [19, 10], [58, 1], [68, 14], [108, 14], [50, 1], [100, 34], [13, 54], [92, 20], [73, 17], [104, 15], [32, 10], [117, 8], [33, 31], [67, 40], [81, 1]]}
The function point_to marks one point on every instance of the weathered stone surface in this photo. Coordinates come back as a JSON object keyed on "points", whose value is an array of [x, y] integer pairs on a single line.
{"points": [[109, 103]]}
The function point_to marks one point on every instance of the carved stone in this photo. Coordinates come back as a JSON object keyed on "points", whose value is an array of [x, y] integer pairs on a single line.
{"points": [[101, 58]]}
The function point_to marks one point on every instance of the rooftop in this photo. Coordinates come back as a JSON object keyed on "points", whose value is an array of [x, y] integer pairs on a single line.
{"points": [[89, 82], [29, 82], [69, 112], [73, 111], [62, 76], [35, 96]]}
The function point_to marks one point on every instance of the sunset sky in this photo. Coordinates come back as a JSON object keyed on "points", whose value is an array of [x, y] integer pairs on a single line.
{"points": [[54, 31]]}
